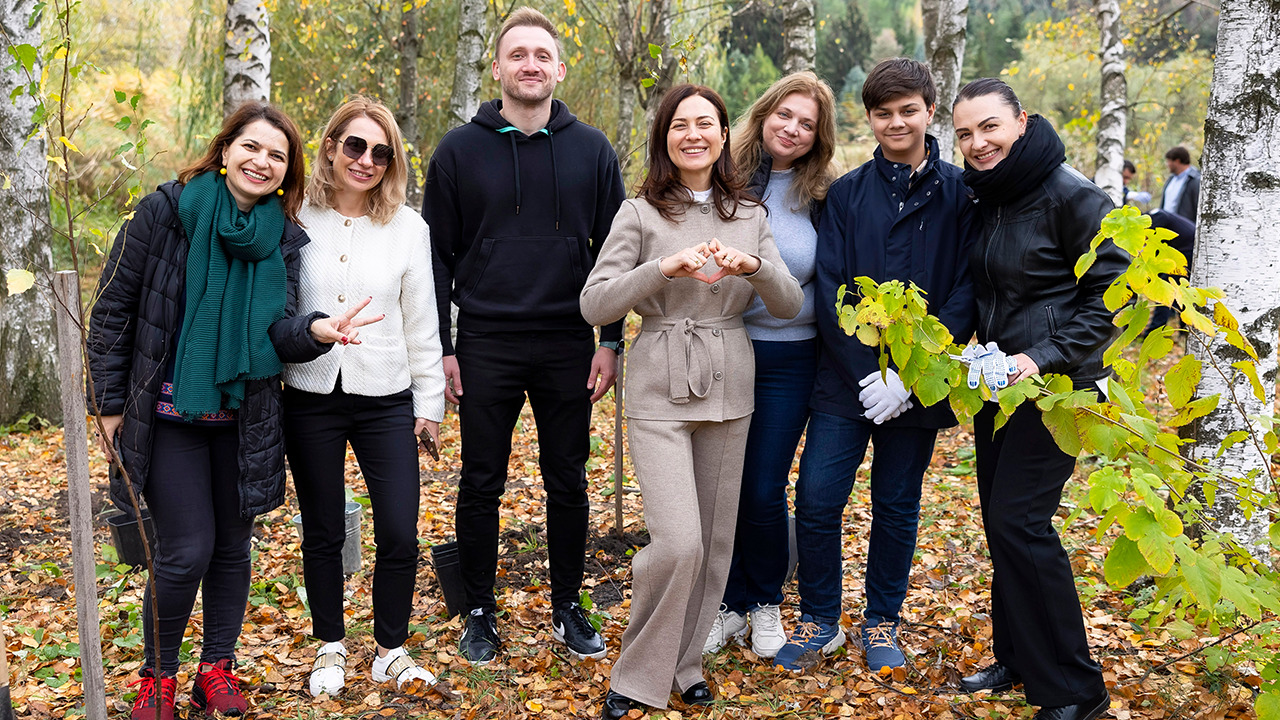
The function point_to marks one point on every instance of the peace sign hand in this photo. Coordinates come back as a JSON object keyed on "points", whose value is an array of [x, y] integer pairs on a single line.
{"points": [[343, 328]]}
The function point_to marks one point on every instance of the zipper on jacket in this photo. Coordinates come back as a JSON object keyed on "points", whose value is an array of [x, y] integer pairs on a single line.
{"points": [[986, 265], [1053, 321]]}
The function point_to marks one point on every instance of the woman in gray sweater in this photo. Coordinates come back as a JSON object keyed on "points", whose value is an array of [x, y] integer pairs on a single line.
{"points": [[687, 255]]}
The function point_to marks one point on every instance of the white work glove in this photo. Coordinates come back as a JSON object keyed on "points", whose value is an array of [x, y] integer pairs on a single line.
{"points": [[989, 364], [884, 400]]}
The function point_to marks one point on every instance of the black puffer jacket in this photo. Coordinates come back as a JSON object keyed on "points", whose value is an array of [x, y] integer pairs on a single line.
{"points": [[760, 181], [131, 336], [1023, 269]]}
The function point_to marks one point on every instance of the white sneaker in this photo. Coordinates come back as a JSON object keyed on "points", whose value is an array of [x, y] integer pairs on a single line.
{"points": [[329, 673], [728, 626], [767, 635], [397, 664]]}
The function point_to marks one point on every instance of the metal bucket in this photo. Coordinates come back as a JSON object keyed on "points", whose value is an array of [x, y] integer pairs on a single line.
{"points": [[351, 543]]}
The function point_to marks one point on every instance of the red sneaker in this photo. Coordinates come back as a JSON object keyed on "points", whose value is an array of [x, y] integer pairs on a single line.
{"points": [[217, 690], [151, 694]]}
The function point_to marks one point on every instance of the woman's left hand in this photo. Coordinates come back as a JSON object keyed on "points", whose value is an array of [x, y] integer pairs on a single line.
{"points": [[1026, 368], [431, 426], [731, 261]]}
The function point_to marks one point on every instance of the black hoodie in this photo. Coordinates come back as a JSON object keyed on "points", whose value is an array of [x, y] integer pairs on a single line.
{"points": [[517, 221]]}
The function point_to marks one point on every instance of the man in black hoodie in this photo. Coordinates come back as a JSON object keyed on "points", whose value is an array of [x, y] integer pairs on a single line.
{"points": [[519, 202]]}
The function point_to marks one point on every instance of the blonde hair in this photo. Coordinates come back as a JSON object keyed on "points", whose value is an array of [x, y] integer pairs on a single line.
{"points": [[384, 200], [813, 171]]}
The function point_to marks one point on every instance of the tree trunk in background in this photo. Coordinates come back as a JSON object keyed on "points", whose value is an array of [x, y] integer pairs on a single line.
{"points": [[464, 101], [409, 45], [246, 55], [1235, 248], [28, 341], [659, 26], [1115, 103], [944, 40], [799, 38]]}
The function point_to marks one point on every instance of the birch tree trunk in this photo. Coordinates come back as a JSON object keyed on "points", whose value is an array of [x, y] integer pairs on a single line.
{"points": [[28, 345], [799, 38], [409, 45], [469, 67], [944, 40], [246, 55], [1114, 97], [1235, 249]]}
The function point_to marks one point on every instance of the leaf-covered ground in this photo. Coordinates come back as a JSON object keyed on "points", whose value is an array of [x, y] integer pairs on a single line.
{"points": [[946, 633]]}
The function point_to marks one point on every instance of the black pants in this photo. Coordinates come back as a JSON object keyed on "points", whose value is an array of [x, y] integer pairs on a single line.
{"points": [[498, 371], [380, 429], [194, 498], [1037, 627]]}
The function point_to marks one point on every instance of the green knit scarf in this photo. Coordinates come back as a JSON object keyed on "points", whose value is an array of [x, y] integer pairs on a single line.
{"points": [[235, 291]]}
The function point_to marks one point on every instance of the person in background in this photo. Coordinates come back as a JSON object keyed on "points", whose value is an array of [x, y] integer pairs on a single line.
{"points": [[196, 311], [378, 392], [785, 144], [1182, 190], [519, 201], [903, 215], [1135, 197], [1039, 216], [1185, 243], [687, 255]]}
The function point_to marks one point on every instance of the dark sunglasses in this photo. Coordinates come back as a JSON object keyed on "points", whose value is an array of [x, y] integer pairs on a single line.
{"points": [[355, 146]]}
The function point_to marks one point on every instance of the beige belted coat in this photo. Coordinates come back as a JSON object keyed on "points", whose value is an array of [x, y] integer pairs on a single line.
{"points": [[693, 360]]}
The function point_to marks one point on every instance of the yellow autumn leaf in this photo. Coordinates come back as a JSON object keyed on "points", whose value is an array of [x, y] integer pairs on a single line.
{"points": [[19, 280], [533, 706], [70, 145]]}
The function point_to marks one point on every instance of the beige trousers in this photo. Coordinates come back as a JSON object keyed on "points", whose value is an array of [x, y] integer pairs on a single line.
{"points": [[689, 475]]}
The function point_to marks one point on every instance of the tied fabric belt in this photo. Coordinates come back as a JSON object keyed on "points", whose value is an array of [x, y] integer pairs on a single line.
{"points": [[689, 351]]}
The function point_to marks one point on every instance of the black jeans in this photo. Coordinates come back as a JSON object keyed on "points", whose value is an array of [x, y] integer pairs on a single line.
{"points": [[498, 371], [194, 498], [1035, 612], [317, 429]]}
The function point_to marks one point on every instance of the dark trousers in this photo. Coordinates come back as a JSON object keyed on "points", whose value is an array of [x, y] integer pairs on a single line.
{"points": [[1035, 612], [194, 497], [499, 370], [832, 454], [380, 429], [784, 382]]}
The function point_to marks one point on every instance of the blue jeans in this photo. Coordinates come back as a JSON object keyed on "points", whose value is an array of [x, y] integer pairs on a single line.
{"points": [[784, 381], [832, 454]]}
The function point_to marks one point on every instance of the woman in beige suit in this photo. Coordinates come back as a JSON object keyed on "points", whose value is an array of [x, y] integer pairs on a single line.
{"points": [[687, 255]]}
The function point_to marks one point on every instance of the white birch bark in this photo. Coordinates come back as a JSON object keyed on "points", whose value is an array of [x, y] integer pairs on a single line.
{"points": [[799, 38], [28, 341], [469, 67], [1114, 97], [944, 40], [1235, 248], [246, 55]]}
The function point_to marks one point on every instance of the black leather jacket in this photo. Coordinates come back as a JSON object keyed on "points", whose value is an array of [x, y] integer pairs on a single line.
{"points": [[1029, 300]]}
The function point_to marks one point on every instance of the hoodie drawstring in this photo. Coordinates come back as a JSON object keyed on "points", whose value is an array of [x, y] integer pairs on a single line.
{"points": [[554, 175], [515, 158]]}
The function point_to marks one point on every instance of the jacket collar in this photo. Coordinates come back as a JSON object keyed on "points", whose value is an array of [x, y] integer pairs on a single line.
{"points": [[900, 172]]}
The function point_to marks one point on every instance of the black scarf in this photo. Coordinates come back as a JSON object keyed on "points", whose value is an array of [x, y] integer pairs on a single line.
{"points": [[1031, 159]]}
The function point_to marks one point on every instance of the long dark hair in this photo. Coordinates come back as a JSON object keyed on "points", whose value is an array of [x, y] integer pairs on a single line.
{"points": [[295, 177], [662, 186]]}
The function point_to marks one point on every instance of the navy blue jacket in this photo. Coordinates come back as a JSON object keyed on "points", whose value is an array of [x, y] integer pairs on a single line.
{"points": [[879, 224]]}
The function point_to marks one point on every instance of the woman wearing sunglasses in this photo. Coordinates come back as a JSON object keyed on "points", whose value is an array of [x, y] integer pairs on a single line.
{"points": [[378, 388]]}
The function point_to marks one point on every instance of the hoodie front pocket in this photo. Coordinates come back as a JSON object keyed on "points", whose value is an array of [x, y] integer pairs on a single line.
{"points": [[537, 275]]}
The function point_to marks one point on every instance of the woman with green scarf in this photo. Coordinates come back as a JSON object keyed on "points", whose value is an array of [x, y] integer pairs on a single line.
{"points": [[194, 318]]}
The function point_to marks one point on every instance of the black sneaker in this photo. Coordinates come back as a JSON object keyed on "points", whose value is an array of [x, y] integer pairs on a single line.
{"points": [[479, 643], [569, 625]]}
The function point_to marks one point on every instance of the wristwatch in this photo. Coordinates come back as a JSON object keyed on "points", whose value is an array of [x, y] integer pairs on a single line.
{"points": [[614, 345]]}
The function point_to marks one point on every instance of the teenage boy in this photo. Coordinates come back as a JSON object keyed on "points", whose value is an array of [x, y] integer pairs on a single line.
{"points": [[904, 215], [519, 201]]}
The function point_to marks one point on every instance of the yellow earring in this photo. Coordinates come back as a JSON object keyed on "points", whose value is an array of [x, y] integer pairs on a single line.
{"points": [[280, 191], [223, 171]]}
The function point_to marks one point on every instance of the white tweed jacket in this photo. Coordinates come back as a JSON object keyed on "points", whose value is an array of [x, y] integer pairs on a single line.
{"points": [[349, 259]]}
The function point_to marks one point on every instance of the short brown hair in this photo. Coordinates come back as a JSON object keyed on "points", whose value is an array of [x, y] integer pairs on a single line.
{"points": [[526, 16], [235, 123], [662, 186], [1178, 153], [895, 78], [383, 201]]}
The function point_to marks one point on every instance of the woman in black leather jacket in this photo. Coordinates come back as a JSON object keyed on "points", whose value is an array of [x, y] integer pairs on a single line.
{"points": [[1039, 216]]}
